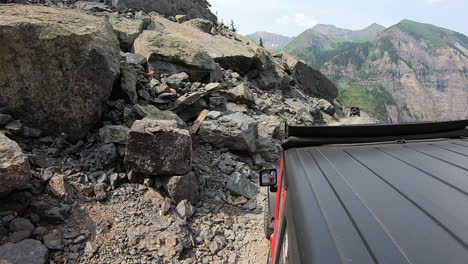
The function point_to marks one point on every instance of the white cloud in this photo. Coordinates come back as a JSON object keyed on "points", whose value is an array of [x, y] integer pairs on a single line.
{"points": [[284, 20], [435, 1], [299, 20]]}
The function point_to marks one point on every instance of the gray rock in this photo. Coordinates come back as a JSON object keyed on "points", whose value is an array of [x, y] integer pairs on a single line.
{"points": [[327, 107], [114, 134], [27, 251], [258, 160], [53, 240], [3, 231], [169, 7], [214, 114], [128, 82], [31, 132], [201, 24], [59, 187], [241, 185], [241, 94], [39, 232], [151, 111], [234, 108], [214, 247], [225, 169], [158, 147], [90, 248], [135, 59], [103, 156], [183, 188], [182, 18], [83, 64], [311, 81], [14, 126], [100, 191], [116, 179], [127, 30], [236, 131], [14, 165], [188, 100], [175, 80], [19, 236], [170, 54], [143, 16], [21, 224], [92, 7], [5, 119], [184, 209], [49, 210]]}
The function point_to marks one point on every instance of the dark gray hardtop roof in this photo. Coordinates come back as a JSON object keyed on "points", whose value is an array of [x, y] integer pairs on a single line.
{"points": [[380, 203]]}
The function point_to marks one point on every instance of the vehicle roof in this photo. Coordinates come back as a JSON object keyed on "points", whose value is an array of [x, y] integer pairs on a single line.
{"points": [[380, 203]]}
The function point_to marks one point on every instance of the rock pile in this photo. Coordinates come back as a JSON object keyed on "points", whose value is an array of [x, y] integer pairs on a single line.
{"points": [[102, 159]]}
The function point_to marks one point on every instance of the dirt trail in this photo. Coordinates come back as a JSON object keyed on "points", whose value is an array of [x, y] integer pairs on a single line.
{"points": [[354, 120]]}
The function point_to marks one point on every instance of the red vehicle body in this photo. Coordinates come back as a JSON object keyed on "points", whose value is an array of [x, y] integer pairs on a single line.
{"points": [[391, 194], [281, 195]]}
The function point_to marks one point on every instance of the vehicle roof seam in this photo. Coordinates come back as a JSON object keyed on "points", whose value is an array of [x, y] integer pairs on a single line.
{"points": [[453, 235]]}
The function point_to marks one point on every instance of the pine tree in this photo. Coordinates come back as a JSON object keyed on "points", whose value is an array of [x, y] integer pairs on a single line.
{"points": [[261, 42], [233, 27]]}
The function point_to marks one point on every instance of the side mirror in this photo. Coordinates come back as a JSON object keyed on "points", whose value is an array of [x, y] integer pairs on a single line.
{"points": [[268, 177]]}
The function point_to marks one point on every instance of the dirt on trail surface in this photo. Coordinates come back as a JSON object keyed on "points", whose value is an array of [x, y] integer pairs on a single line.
{"points": [[354, 120]]}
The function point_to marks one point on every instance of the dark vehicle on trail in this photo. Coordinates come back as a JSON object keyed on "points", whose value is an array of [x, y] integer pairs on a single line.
{"points": [[386, 194], [355, 111]]}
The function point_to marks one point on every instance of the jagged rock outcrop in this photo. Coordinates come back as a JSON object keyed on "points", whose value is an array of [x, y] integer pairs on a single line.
{"points": [[311, 81], [170, 54], [191, 8], [236, 131], [14, 165], [158, 147], [58, 66]]}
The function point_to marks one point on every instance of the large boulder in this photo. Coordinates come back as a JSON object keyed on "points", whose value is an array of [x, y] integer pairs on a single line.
{"points": [[167, 53], [57, 66], [201, 24], [27, 251], [158, 147], [126, 29], [191, 8], [233, 52], [309, 80], [236, 131], [14, 165]]}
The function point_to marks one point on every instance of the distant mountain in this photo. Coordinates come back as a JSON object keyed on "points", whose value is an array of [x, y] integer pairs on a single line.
{"points": [[327, 37], [270, 40], [411, 71]]}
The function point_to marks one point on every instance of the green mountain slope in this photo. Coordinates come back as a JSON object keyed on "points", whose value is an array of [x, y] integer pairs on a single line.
{"points": [[423, 70], [312, 42]]}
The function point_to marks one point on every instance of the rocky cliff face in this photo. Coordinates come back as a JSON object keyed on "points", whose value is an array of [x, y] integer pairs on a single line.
{"points": [[310, 44], [190, 8], [147, 153], [421, 68]]}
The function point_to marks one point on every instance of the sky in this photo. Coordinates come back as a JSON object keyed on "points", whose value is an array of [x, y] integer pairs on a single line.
{"points": [[292, 17]]}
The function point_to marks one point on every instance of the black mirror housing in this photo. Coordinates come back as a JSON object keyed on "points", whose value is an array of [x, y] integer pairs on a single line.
{"points": [[268, 177]]}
